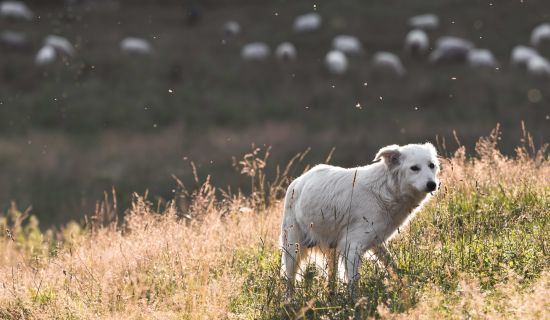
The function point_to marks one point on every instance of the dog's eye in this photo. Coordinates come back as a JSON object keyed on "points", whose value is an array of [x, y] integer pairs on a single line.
{"points": [[415, 168], [431, 165]]}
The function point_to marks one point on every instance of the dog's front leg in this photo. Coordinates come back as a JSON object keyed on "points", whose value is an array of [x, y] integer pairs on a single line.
{"points": [[352, 256]]}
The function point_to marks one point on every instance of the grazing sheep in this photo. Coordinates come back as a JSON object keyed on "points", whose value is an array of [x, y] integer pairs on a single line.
{"points": [[135, 45], [351, 211], [46, 55], [286, 51], [307, 22], [336, 62], [521, 55], [255, 51], [347, 44], [540, 34], [416, 42], [15, 10], [538, 66], [450, 50], [231, 28], [14, 39], [388, 62], [482, 58], [424, 21], [60, 44]]}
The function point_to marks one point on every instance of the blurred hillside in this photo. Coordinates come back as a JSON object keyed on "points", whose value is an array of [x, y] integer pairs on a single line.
{"points": [[103, 118]]}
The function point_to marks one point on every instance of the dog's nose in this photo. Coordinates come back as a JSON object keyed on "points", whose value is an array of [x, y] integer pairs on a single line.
{"points": [[431, 186]]}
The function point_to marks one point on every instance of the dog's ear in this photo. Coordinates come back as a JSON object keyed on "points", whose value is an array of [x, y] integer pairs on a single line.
{"points": [[431, 147], [390, 154]]}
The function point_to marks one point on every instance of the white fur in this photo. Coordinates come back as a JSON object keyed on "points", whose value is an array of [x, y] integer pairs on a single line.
{"points": [[286, 51], [135, 45], [540, 34], [424, 21], [336, 62], [450, 49], [417, 42], [522, 54], [347, 44], [45, 55], [538, 66], [307, 22], [14, 39], [482, 58], [60, 44], [16, 10], [231, 28], [255, 51], [389, 62], [354, 210]]}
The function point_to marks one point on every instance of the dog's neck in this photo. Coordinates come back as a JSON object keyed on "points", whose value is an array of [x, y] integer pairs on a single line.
{"points": [[399, 202]]}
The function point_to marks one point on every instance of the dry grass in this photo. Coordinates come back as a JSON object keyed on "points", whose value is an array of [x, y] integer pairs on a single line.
{"points": [[507, 301], [479, 250], [158, 266]]}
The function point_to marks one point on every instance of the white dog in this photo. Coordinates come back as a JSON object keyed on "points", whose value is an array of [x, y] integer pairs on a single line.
{"points": [[355, 210]]}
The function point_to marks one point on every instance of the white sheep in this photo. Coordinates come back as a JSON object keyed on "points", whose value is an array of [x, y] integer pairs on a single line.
{"points": [[416, 42], [521, 55], [13, 39], [135, 45], [60, 44], [231, 28], [307, 22], [15, 10], [347, 44], [255, 51], [540, 34], [538, 66], [387, 61], [424, 21], [336, 62], [481, 58], [286, 51], [451, 49], [45, 55]]}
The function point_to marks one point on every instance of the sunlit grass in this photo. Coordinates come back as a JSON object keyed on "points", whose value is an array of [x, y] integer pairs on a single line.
{"points": [[479, 249]]}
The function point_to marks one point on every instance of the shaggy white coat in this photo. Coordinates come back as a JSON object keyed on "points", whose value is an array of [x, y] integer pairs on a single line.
{"points": [[355, 210]]}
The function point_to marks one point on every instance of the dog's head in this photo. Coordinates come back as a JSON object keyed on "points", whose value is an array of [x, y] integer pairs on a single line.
{"points": [[416, 165]]}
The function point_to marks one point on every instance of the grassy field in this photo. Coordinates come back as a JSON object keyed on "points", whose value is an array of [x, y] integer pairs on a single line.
{"points": [[478, 250]]}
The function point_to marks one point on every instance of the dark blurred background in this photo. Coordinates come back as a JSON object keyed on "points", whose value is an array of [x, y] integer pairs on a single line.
{"points": [[101, 118]]}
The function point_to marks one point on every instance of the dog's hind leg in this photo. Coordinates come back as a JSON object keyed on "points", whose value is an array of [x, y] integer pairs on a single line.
{"points": [[291, 245]]}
